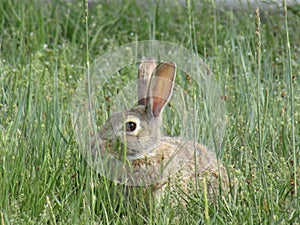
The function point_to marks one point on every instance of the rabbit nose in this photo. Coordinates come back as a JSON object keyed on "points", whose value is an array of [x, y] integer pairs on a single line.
{"points": [[106, 143]]}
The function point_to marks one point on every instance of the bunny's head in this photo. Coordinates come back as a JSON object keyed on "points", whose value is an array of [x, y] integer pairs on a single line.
{"points": [[137, 131]]}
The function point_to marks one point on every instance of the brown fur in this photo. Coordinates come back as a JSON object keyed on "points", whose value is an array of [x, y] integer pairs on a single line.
{"points": [[151, 160]]}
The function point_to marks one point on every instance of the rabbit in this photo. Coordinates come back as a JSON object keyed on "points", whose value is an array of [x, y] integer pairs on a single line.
{"points": [[150, 158]]}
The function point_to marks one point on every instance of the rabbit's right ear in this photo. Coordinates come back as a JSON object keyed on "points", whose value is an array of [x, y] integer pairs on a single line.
{"points": [[160, 88], [146, 69]]}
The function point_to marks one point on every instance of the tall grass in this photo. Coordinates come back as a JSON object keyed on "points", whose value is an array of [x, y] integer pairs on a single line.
{"points": [[290, 78], [45, 49]]}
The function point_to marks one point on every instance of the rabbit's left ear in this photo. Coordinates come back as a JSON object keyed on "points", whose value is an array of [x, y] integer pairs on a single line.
{"points": [[146, 69], [161, 87]]}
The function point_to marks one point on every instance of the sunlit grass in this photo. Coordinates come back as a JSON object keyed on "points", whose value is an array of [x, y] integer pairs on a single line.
{"points": [[43, 53]]}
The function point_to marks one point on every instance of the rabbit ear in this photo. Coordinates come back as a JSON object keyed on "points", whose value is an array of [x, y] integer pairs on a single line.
{"points": [[146, 68], [161, 87]]}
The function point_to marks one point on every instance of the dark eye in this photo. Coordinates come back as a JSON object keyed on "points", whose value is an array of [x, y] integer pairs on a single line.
{"points": [[130, 126]]}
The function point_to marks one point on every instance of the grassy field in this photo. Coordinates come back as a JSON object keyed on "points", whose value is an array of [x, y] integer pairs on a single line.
{"points": [[44, 50]]}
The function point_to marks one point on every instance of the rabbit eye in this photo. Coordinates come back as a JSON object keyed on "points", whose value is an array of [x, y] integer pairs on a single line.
{"points": [[130, 126]]}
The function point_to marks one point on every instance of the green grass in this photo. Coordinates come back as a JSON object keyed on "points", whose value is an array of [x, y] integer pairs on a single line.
{"points": [[43, 53]]}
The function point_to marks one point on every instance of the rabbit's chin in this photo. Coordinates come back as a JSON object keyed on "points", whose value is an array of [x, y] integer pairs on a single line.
{"points": [[138, 155], [131, 157]]}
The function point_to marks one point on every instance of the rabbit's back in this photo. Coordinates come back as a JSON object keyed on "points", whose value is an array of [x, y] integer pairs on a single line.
{"points": [[183, 163]]}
